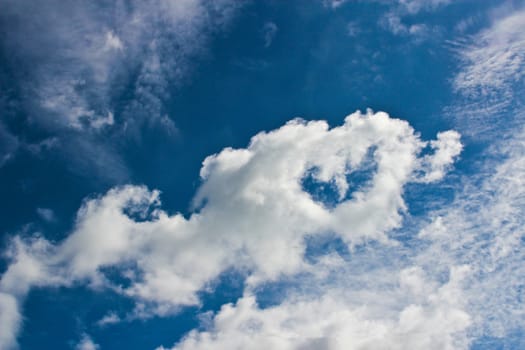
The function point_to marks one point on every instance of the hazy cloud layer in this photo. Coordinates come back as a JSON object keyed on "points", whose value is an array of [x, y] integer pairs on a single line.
{"points": [[94, 74]]}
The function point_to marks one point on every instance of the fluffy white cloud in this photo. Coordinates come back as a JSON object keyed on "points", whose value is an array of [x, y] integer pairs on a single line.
{"points": [[253, 214], [447, 147], [460, 278]]}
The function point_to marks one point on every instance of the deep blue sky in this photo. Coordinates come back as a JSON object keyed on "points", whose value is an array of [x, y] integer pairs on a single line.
{"points": [[222, 80]]}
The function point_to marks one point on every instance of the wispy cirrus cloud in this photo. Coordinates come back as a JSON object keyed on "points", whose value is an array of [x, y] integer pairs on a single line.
{"points": [[94, 72], [78, 64], [493, 59], [490, 75]]}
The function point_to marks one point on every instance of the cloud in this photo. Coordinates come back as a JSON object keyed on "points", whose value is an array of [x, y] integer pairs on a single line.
{"points": [[353, 29], [86, 344], [9, 144], [488, 77], [108, 319], [405, 6], [269, 31], [93, 48], [393, 22], [447, 147], [251, 214], [416, 6], [333, 3], [93, 73], [493, 60], [483, 228], [46, 214], [457, 281], [333, 322], [10, 319]]}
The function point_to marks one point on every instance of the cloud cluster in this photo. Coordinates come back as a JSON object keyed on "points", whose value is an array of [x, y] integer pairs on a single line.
{"points": [[251, 214], [457, 281]]}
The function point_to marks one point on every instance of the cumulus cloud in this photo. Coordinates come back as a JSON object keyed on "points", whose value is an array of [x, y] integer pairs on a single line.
{"points": [[459, 280], [446, 148], [251, 213]]}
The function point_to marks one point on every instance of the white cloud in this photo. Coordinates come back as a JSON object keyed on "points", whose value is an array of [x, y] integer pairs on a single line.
{"points": [[393, 22], [9, 144], [484, 229], [353, 29], [255, 215], [95, 73], [446, 148], [46, 214], [91, 49], [411, 7], [333, 3], [108, 319], [269, 31], [86, 344], [489, 77], [493, 59], [459, 280], [415, 6], [332, 321], [10, 320]]}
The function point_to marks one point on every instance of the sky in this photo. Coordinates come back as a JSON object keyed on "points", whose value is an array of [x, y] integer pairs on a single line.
{"points": [[226, 174]]}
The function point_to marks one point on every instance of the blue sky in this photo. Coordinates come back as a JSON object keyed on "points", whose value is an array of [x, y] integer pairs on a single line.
{"points": [[324, 174]]}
